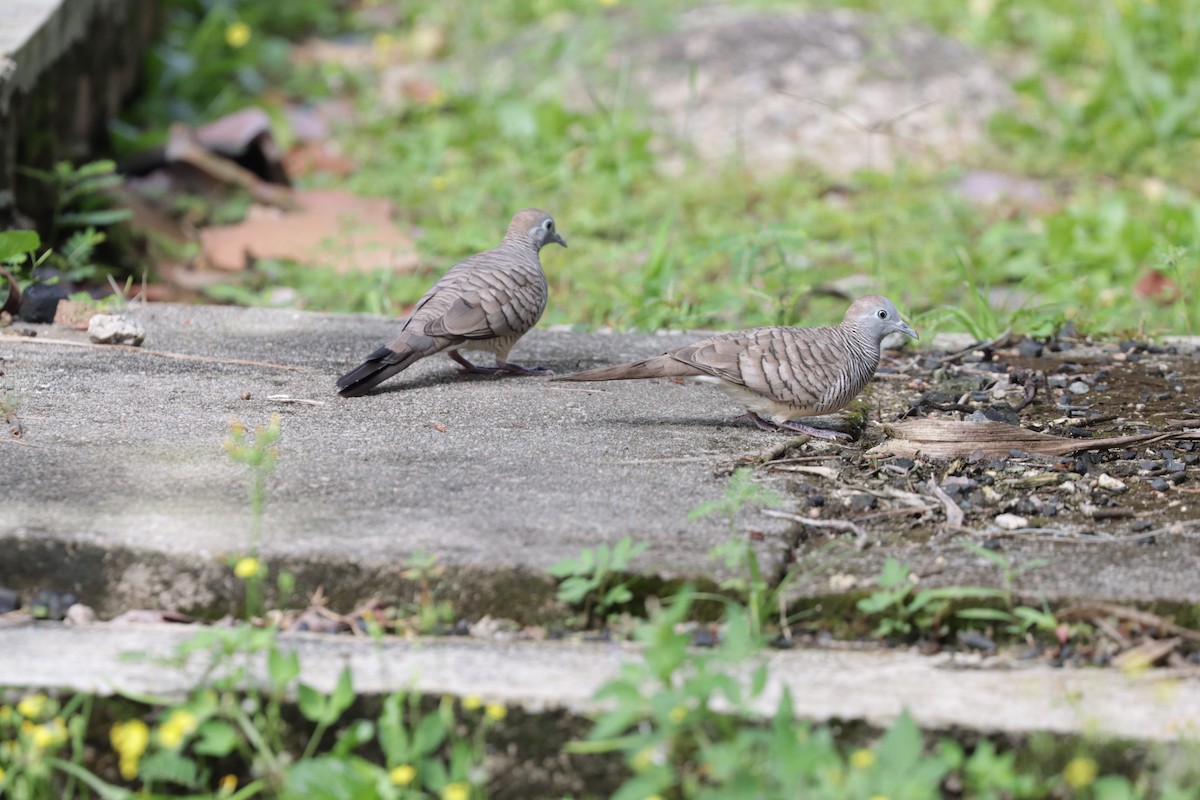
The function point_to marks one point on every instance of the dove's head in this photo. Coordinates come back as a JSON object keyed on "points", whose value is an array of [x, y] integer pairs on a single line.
{"points": [[875, 316], [535, 227]]}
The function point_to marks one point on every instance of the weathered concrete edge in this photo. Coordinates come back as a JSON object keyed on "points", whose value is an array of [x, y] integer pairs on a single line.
{"points": [[941, 693]]}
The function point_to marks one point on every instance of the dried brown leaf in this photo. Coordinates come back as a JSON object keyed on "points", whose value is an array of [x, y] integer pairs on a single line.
{"points": [[331, 228], [932, 438]]}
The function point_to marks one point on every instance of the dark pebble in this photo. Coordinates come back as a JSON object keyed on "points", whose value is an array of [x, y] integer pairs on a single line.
{"points": [[1191, 459], [1028, 348], [993, 544], [904, 463], [461, 628], [40, 301], [1178, 478], [1176, 466], [1057, 381], [1140, 525], [1129, 345], [1002, 412], [782, 643], [1159, 485], [704, 637], [1027, 507], [862, 502], [1081, 465], [1150, 466], [1127, 455], [976, 641], [1030, 653], [816, 501], [1134, 358], [1146, 540], [9, 600], [51, 604]]}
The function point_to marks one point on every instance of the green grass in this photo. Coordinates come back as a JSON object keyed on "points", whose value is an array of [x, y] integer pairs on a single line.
{"points": [[1106, 109]]}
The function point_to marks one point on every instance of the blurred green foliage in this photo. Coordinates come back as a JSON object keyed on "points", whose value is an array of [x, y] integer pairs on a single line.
{"points": [[1106, 115]]}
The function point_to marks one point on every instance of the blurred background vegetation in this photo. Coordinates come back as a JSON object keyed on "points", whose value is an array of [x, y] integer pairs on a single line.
{"points": [[1107, 112]]}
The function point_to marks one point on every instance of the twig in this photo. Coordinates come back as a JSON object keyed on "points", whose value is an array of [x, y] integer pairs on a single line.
{"points": [[283, 398], [1088, 610], [954, 514], [957, 354], [161, 353], [836, 524]]}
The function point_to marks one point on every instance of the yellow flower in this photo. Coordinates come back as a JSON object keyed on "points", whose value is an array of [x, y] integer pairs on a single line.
{"points": [[176, 727], [496, 711], [246, 568], [861, 759], [402, 775], [472, 702], [42, 736], [1080, 772], [678, 714], [643, 759], [129, 739], [456, 791], [439, 183], [1, 775], [237, 35], [609, 2], [228, 784], [31, 707]]}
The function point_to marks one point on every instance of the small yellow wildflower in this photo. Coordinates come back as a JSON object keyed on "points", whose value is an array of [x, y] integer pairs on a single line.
{"points": [[861, 759], [643, 759], [403, 775], [246, 568], [237, 35], [496, 711], [678, 714], [176, 727], [439, 183], [228, 784], [33, 706], [43, 736], [383, 42], [1080, 772], [1, 776], [472, 702], [456, 791], [129, 739]]}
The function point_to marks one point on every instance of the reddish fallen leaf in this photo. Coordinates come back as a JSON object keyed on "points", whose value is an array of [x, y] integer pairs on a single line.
{"points": [[12, 300], [331, 228], [1156, 287], [74, 313], [309, 157], [438, 428]]}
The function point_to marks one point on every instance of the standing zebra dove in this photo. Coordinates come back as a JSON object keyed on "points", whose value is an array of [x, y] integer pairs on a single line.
{"points": [[780, 373], [484, 302]]}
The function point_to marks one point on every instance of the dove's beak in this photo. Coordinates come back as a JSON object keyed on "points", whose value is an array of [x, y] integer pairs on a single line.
{"points": [[554, 237], [907, 330]]}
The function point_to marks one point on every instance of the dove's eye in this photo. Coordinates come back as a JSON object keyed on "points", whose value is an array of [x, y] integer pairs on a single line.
{"points": [[881, 313], [549, 224]]}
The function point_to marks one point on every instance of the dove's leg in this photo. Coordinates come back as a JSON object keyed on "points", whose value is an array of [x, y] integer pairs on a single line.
{"points": [[501, 368], [763, 424], [517, 369], [820, 433]]}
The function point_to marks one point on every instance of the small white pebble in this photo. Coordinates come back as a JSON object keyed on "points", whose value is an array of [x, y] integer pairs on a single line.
{"points": [[1109, 483], [1010, 522]]}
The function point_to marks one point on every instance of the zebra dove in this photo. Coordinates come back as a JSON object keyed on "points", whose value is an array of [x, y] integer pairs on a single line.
{"points": [[780, 373], [484, 302]]}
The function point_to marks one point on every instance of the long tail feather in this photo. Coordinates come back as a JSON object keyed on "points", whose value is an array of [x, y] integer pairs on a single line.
{"points": [[658, 367]]}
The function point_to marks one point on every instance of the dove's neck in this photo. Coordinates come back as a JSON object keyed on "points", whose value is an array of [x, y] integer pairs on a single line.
{"points": [[863, 346]]}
